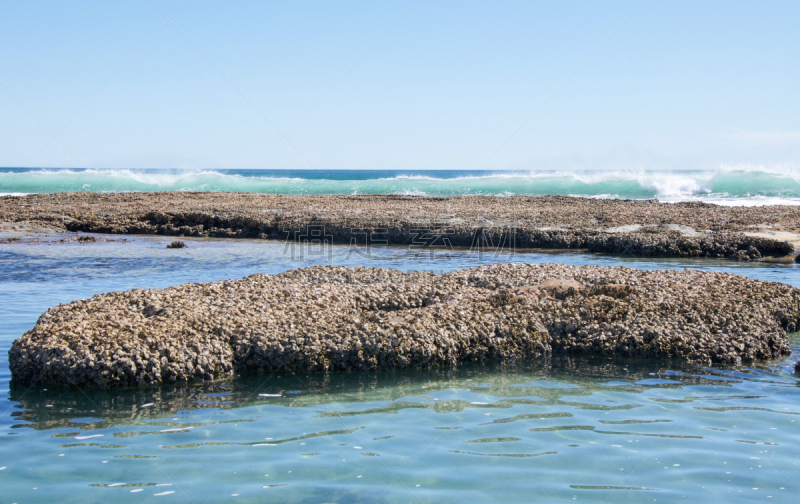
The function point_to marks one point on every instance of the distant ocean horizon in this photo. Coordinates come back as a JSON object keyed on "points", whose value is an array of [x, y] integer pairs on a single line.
{"points": [[755, 186]]}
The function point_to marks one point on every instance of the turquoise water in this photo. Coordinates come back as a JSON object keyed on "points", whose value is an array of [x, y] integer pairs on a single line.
{"points": [[736, 187], [603, 430]]}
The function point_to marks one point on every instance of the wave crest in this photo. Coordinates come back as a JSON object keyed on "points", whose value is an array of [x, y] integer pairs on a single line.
{"points": [[729, 185]]}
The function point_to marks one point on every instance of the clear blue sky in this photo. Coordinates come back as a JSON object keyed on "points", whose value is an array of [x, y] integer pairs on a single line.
{"points": [[400, 84]]}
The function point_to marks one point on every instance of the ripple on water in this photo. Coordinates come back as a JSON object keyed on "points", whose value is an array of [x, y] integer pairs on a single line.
{"points": [[494, 440], [557, 428], [126, 485], [512, 455], [623, 422], [670, 436], [100, 445], [609, 487], [530, 416], [702, 398], [745, 408]]}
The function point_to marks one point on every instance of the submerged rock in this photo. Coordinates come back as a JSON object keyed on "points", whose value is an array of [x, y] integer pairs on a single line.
{"points": [[176, 245], [336, 318]]}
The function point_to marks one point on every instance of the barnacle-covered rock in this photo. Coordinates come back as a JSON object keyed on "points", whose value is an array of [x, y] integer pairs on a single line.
{"points": [[625, 227], [337, 318]]}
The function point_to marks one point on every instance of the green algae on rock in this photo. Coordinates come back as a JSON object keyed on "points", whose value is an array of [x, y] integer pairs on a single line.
{"points": [[338, 318]]}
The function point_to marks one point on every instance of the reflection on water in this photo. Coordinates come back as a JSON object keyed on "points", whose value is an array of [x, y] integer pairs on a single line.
{"points": [[554, 430], [555, 382]]}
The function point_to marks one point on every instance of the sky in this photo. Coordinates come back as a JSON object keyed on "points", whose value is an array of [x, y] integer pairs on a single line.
{"points": [[419, 84]]}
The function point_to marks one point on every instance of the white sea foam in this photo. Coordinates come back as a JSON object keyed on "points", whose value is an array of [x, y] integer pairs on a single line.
{"points": [[732, 202], [727, 185], [676, 185]]}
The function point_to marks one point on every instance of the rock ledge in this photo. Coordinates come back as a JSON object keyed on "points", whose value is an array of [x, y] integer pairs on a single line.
{"points": [[337, 318], [486, 223]]}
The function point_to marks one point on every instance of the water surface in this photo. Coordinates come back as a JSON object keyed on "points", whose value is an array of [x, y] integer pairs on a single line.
{"points": [[562, 429]]}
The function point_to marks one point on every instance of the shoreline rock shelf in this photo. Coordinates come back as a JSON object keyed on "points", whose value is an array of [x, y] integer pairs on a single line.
{"points": [[628, 227], [337, 318]]}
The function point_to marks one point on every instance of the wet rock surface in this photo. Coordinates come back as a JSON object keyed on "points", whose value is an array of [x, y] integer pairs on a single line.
{"points": [[337, 318], [627, 227], [176, 245]]}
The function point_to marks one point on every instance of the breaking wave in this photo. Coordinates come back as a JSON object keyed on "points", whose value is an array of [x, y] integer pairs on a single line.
{"points": [[740, 186]]}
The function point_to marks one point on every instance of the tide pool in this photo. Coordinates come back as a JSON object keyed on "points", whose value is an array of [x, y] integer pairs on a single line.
{"points": [[549, 430]]}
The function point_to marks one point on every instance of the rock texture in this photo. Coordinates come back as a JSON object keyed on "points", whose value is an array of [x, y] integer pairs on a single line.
{"points": [[337, 318], [628, 227]]}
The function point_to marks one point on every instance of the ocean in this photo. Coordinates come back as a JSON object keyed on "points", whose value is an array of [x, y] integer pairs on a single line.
{"points": [[563, 429], [756, 186]]}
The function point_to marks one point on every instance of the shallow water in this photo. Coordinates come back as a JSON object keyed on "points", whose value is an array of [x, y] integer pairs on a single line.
{"points": [[602, 430]]}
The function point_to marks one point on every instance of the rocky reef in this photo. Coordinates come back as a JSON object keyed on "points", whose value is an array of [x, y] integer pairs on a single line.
{"points": [[336, 318], [626, 227]]}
